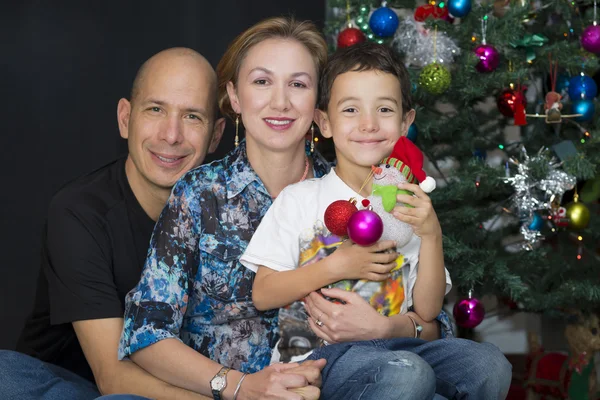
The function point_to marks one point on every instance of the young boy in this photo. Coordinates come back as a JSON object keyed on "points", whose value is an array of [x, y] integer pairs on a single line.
{"points": [[366, 108]]}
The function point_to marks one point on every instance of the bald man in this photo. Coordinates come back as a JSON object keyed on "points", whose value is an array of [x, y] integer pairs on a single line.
{"points": [[97, 236]]}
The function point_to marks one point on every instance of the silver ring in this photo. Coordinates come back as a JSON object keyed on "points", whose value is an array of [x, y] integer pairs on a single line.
{"points": [[319, 323]]}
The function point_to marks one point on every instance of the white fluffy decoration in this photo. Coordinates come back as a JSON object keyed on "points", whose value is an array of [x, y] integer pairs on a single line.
{"points": [[416, 42]]}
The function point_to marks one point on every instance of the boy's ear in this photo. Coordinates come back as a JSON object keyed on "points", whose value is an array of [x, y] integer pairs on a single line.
{"points": [[409, 118], [322, 121]]}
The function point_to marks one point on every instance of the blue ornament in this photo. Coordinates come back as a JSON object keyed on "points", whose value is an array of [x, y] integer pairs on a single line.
{"points": [[582, 87], [562, 83], [481, 154], [412, 133], [384, 22], [459, 8], [537, 223], [585, 107]]}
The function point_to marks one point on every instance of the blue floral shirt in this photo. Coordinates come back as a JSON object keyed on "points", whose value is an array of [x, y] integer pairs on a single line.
{"points": [[193, 287]]}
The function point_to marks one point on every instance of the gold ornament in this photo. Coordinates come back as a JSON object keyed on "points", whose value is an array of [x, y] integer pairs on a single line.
{"points": [[435, 78], [578, 214]]}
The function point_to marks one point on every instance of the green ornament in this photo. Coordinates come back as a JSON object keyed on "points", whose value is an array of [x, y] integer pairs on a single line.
{"points": [[435, 78], [529, 41], [364, 10]]}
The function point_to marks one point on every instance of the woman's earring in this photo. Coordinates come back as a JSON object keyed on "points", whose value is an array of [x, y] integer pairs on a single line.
{"points": [[237, 126], [312, 138]]}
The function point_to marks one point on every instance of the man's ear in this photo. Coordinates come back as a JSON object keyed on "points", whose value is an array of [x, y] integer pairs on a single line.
{"points": [[233, 98], [409, 118], [322, 120], [217, 134], [123, 113]]}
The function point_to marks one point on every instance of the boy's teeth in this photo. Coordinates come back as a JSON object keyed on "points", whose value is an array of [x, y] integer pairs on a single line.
{"points": [[276, 122], [166, 159]]}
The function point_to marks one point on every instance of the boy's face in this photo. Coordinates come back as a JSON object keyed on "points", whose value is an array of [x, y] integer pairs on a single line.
{"points": [[364, 117]]}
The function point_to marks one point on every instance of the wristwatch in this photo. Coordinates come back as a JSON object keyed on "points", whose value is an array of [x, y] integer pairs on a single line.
{"points": [[418, 327], [219, 382]]}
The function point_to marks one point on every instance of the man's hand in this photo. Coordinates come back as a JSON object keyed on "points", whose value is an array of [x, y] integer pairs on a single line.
{"points": [[284, 382]]}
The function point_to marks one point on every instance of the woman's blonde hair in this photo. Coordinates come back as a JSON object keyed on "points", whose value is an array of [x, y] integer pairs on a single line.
{"points": [[305, 32]]}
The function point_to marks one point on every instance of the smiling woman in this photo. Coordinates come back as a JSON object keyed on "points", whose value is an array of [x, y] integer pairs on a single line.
{"points": [[193, 287]]}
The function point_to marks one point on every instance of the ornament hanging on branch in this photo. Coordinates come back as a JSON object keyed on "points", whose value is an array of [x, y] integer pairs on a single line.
{"points": [[430, 10], [533, 195], [384, 21], [468, 312], [435, 78], [351, 35], [459, 8], [489, 57], [412, 133], [578, 214], [415, 41], [511, 103], [553, 106], [582, 87], [590, 37]]}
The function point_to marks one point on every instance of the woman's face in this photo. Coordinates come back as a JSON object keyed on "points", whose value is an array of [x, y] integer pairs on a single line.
{"points": [[276, 93]]}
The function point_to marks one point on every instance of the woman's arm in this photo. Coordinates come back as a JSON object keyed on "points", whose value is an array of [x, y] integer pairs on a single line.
{"points": [[184, 367], [358, 320]]}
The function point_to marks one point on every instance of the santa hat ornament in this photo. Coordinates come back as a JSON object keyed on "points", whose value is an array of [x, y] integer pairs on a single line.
{"points": [[408, 159]]}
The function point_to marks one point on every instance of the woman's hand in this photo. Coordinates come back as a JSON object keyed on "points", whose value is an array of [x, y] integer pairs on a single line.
{"points": [[353, 321], [284, 381]]}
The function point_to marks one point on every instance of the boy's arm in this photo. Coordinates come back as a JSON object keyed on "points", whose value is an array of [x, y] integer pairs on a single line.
{"points": [[432, 283], [275, 289], [430, 286]]}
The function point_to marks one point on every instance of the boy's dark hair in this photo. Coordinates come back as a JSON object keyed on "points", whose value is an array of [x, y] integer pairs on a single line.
{"points": [[365, 56]]}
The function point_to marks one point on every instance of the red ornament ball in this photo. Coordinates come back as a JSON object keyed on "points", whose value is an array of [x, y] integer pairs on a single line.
{"points": [[469, 312], [337, 216], [508, 99], [349, 37]]}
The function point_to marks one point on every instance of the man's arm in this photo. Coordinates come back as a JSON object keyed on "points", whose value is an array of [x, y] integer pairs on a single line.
{"points": [[99, 340]]}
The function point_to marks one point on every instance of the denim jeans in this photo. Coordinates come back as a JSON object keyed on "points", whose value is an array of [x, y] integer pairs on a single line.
{"points": [[397, 369], [26, 378]]}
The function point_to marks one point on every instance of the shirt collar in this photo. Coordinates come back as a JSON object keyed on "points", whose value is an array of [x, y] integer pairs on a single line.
{"points": [[241, 173]]}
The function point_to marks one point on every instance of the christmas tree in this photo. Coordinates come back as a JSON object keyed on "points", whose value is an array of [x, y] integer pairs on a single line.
{"points": [[505, 100]]}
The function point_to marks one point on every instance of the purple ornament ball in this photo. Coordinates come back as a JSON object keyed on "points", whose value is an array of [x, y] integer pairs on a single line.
{"points": [[365, 227], [489, 58], [590, 39], [468, 313]]}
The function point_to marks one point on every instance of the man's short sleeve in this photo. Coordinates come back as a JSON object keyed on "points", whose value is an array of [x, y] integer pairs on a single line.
{"points": [[78, 268], [275, 243]]}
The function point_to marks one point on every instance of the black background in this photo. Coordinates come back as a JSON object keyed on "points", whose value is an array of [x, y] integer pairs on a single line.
{"points": [[64, 67]]}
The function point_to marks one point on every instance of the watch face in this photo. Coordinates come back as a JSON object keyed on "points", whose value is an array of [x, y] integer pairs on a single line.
{"points": [[218, 383]]}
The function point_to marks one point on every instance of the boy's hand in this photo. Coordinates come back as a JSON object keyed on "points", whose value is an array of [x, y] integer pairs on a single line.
{"points": [[372, 263], [422, 217]]}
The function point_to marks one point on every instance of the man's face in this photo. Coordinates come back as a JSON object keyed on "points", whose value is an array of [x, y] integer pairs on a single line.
{"points": [[364, 117], [170, 123]]}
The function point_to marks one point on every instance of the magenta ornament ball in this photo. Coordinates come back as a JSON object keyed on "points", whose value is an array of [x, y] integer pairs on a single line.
{"points": [[489, 58], [468, 313], [590, 39], [365, 227]]}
